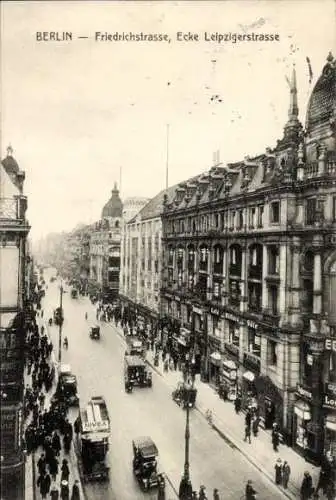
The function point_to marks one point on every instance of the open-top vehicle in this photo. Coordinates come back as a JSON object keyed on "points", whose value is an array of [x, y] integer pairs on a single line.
{"points": [[135, 346], [145, 455], [136, 372]]}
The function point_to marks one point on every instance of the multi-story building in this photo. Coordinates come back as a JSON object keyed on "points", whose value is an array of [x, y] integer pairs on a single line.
{"points": [[140, 277], [132, 206], [105, 248], [249, 271], [13, 234]]}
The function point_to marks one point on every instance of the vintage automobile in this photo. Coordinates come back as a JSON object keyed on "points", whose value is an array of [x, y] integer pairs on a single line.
{"points": [[66, 390], [93, 425], [145, 455], [136, 372], [95, 332], [185, 395]]}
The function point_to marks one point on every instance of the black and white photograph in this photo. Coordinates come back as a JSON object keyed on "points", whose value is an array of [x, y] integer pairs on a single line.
{"points": [[168, 250]]}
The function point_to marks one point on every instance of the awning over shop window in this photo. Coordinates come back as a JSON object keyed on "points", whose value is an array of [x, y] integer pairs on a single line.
{"points": [[331, 422], [216, 358], [182, 341], [229, 364], [249, 376], [302, 410]]}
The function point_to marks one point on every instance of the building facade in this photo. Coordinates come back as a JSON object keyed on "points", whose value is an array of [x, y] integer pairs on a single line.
{"points": [[14, 229], [249, 272], [140, 277], [105, 248]]}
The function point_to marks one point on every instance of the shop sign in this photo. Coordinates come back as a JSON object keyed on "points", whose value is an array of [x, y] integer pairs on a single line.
{"points": [[330, 344], [232, 317], [330, 400], [303, 392], [197, 310], [252, 324], [11, 427], [214, 310]]}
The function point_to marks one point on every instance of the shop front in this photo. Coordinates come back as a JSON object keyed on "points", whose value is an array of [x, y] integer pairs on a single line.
{"points": [[229, 378], [270, 402], [215, 359], [329, 406], [304, 429], [251, 365]]}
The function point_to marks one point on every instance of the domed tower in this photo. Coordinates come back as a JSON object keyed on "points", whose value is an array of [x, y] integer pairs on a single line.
{"points": [[321, 115], [112, 211]]}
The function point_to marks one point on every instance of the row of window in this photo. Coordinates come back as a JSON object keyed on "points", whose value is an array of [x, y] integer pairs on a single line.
{"points": [[236, 218]]}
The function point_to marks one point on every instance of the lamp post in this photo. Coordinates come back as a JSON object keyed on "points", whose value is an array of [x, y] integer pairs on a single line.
{"points": [[60, 325], [185, 490]]}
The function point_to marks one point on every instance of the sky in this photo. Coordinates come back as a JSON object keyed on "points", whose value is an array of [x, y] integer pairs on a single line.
{"points": [[78, 113]]}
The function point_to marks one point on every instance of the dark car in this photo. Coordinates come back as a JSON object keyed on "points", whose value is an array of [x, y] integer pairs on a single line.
{"points": [[95, 332], [145, 455], [136, 372]]}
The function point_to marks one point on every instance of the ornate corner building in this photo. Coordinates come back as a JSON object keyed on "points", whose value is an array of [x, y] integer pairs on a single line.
{"points": [[14, 229], [105, 248], [249, 274]]}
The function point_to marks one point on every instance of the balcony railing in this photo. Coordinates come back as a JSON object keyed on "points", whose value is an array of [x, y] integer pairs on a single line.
{"points": [[271, 317], [331, 168], [9, 208], [311, 170]]}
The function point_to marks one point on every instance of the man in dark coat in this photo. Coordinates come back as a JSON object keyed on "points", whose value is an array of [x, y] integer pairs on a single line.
{"points": [[75, 491], [306, 486], [278, 471], [41, 464], [44, 482], [275, 440]]}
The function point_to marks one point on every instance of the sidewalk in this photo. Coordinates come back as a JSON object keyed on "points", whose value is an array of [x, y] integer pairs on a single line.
{"points": [[31, 474], [230, 427]]}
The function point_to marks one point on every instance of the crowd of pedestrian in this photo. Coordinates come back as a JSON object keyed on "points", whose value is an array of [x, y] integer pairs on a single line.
{"points": [[47, 427]]}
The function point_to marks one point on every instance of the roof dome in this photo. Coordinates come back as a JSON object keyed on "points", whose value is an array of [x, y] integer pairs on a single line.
{"points": [[322, 102], [114, 206], [10, 164]]}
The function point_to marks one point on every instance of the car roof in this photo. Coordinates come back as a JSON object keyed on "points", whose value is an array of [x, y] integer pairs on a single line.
{"points": [[134, 361], [146, 446]]}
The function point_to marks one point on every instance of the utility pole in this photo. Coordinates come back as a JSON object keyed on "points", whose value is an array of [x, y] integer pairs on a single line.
{"points": [[60, 326]]}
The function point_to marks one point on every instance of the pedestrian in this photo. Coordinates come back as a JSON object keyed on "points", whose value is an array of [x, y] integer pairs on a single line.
{"points": [[202, 493], [53, 467], [237, 404], [65, 470], [75, 491], [306, 486], [248, 418], [275, 439], [249, 491], [285, 474], [54, 493], [216, 494], [255, 426], [44, 483], [65, 492], [247, 433], [56, 443], [278, 471], [41, 464]]}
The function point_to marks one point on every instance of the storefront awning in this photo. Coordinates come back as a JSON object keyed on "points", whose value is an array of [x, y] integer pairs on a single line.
{"points": [[330, 422], [249, 376], [302, 410], [215, 358], [182, 341], [229, 364]]}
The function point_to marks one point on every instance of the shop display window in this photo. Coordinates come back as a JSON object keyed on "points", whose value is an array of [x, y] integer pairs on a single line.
{"points": [[301, 433]]}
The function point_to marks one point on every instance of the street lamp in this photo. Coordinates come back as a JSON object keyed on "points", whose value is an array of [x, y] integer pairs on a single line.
{"points": [[185, 491]]}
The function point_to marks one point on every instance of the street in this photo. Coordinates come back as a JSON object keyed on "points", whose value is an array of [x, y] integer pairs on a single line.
{"points": [[98, 366]]}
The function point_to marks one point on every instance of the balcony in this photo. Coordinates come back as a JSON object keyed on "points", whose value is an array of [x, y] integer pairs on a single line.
{"points": [[311, 170], [331, 168], [271, 317]]}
